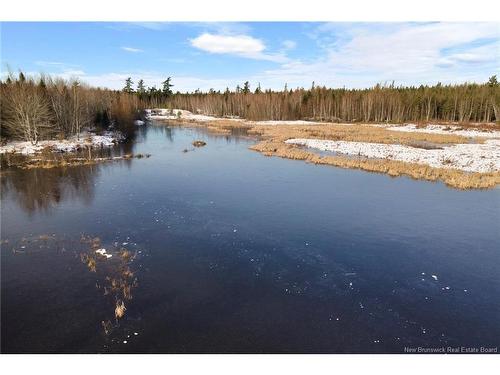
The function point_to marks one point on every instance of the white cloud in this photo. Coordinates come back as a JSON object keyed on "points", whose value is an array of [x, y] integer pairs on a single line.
{"points": [[130, 49], [352, 55], [238, 45], [362, 55], [289, 44]]}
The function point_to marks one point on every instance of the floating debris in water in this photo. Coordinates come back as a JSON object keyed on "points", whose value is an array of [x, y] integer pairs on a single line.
{"points": [[108, 326], [103, 253], [119, 309], [199, 143], [434, 277]]}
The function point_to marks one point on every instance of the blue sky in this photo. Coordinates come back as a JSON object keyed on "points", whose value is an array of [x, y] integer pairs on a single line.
{"points": [[219, 55]]}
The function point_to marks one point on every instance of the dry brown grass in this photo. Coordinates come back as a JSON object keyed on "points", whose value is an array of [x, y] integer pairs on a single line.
{"points": [[120, 309], [273, 137], [451, 177], [34, 162], [90, 261], [353, 133], [116, 277]]}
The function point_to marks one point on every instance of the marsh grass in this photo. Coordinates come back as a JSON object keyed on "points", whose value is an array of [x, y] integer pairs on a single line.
{"points": [[52, 160], [119, 309], [272, 138], [116, 279], [451, 177]]}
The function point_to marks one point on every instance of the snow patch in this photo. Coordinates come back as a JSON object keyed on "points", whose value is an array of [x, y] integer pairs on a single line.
{"points": [[84, 139], [472, 157], [181, 114], [442, 129], [103, 253]]}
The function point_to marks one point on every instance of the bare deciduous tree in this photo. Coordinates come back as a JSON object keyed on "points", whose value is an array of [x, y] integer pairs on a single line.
{"points": [[26, 112]]}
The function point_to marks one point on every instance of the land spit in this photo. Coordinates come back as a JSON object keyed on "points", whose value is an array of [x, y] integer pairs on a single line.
{"points": [[461, 156]]}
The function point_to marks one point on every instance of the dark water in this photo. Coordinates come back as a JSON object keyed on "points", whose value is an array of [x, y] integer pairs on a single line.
{"points": [[239, 253]]}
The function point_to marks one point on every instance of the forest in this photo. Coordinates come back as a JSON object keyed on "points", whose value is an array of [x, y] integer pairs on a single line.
{"points": [[463, 103], [34, 109], [44, 107]]}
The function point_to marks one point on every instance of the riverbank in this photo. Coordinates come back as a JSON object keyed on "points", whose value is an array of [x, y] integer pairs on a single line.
{"points": [[461, 156], [87, 148], [86, 139]]}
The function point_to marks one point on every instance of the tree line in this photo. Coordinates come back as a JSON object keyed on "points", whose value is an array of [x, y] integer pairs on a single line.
{"points": [[34, 109], [467, 102], [42, 108]]}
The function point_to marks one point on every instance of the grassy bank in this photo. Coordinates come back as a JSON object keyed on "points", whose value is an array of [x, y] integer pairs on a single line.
{"points": [[272, 143]]}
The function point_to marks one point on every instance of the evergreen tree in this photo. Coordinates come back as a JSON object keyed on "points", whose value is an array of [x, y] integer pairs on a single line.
{"points": [[141, 89], [258, 90], [167, 87], [128, 86], [246, 87]]}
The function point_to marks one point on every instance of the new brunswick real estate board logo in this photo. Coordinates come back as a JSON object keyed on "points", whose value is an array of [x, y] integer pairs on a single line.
{"points": [[451, 349]]}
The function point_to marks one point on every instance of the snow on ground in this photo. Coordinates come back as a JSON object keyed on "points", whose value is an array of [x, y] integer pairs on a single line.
{"points": [[85, 139], [442, 129], [467, 157], [181, 114]]}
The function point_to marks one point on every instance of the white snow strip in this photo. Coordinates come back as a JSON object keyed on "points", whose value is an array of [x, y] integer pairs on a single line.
{"points": [[85, 139], [442, 129], [176, 114], [181, 114], [467, 157]]}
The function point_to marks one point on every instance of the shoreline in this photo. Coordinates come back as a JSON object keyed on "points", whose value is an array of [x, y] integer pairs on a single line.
{"points": [[88, 148], [448, 153], [86, 139]]}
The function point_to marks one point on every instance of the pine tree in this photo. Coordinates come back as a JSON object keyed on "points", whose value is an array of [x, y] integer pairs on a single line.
{"points": [[258, 90], [141, 89], [128, 86], [246, 87], [167, 87]]}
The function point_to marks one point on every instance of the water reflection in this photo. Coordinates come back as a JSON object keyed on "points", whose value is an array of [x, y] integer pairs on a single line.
{"points": [[42, 189], [242, 253]]}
